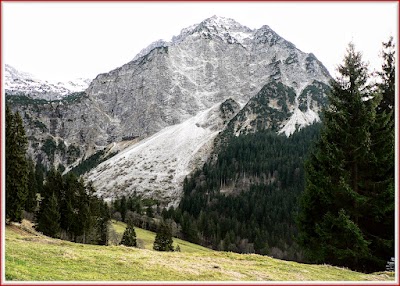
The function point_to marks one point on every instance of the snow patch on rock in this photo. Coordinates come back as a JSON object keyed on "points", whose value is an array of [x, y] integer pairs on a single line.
{"points": [[299, 119]]}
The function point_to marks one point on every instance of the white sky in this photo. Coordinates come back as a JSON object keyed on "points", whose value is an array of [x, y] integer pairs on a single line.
{"points": [[69, 40]]}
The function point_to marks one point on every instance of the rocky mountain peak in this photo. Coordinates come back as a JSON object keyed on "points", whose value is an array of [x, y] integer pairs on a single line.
{"points": [[223, 24], [224, 28]]}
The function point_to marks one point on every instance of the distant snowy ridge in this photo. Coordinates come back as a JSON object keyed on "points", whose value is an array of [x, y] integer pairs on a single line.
{"points": [[19, 82]]}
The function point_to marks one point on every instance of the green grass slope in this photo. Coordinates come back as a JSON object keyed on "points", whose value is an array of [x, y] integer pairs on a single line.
{"points": [[30, 257], [146, 238]]}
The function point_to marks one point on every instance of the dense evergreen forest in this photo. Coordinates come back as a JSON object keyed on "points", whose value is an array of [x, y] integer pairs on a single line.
{"points": [[263, 176], [247, 200], [68, 209]]}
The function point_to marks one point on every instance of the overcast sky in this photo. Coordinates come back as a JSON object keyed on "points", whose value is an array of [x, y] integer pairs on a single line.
{"points": [[69, 40]]}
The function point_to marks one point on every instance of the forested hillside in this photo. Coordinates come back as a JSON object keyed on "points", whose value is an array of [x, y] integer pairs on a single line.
{"points": [[246, 201]]}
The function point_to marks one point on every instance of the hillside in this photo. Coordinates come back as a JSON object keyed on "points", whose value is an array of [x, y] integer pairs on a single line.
{"points": [[30, 257]]}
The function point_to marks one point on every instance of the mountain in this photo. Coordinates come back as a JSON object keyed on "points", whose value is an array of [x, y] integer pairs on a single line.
{"points": [[168, 82], [18, 82], [166, 104]]}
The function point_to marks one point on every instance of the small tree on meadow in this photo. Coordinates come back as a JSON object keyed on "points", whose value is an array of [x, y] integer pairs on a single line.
{"points": [[129, 236], [163, 240]]}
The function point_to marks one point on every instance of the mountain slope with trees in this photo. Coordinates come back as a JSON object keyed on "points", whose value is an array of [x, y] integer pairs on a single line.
{"points": [[246, 200]]}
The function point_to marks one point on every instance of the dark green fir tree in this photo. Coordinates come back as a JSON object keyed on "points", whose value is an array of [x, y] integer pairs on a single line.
{"points": [[163, 240], [335, 202], [379, 224], [388, 76], [33, 189], [103, 223], [129, 236], [16, 166], [49, 217]]}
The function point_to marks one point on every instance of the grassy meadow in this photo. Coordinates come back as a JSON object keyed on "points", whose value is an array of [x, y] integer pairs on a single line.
{"points": [[33, 257]]}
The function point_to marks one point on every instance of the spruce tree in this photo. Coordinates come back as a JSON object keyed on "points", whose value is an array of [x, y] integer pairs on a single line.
{"points": [[129, 236], [39, 174], [16, 166], [334, 200], [49, 218], [163, 240], [31, 200], [388, 76], [103, 222], [378, 224]]}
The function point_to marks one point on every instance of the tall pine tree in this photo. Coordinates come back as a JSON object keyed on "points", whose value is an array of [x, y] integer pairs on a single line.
{"points": [[334, 205], [16, 166]]}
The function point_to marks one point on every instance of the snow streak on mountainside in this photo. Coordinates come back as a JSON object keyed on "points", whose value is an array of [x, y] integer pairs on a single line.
{"points": [[155, 167], [17, 82], [299, 120]]}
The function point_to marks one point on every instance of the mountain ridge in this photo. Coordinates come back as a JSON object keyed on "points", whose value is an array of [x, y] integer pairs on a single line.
{"points": [[19, 82], [170, 84]]}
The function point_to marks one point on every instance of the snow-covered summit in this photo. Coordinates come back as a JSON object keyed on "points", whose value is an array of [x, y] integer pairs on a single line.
{"points": [[224, 28], [221, 25], [19, 82]]}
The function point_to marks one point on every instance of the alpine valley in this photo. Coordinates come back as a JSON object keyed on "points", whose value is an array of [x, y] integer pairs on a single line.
{"points": [[218, 112]]}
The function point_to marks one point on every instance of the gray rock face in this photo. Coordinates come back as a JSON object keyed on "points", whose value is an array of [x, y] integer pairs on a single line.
{"points": [[204, 65], [169, 83]]}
